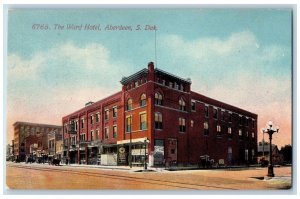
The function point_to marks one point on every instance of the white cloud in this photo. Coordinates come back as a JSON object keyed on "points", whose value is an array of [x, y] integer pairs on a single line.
{"points": [[239, 70]]}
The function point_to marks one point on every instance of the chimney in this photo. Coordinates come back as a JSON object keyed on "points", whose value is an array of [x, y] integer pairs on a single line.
{"points": [[151, 66]]}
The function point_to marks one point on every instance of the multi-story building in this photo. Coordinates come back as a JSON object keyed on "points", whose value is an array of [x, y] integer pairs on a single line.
{"points": [[31, 135], [54, 138], [10, 152], [158, 111]]}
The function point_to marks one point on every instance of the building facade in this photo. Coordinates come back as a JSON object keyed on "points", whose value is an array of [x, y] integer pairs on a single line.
{"points": [[157, 117], [54, 142], [31, 138]]}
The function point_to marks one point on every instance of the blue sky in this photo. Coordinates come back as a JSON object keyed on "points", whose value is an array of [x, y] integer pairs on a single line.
{"points": [[239, 56]]}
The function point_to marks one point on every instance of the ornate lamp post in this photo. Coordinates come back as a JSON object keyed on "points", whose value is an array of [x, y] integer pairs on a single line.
{"points": [[270, 129]]}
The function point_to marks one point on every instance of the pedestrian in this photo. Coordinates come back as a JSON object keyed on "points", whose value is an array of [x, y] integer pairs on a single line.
{"points": [[67, 161]]}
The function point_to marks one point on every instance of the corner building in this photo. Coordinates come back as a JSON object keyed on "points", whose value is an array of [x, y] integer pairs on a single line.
{"points": [[158, 111]]}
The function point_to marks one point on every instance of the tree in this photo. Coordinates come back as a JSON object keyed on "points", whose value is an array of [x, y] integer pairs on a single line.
{"points": [[286, 151]]}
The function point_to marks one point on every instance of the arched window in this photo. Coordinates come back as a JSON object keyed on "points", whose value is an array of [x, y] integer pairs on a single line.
{"points": [[129, 104], [158, 121], [182, 105], [143, 100], [158, 99]]}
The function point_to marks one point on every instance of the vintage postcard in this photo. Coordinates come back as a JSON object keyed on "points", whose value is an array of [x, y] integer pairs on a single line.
{"points": [[149, 99]]}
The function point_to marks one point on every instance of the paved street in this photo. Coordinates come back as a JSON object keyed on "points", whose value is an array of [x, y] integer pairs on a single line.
{"points": [[39, 176]]}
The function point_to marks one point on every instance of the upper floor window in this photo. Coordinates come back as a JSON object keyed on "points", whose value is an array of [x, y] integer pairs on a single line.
{"points": [[91, 119], [206, 111], [143, 121], [129, 104], [230, 117], [82, 123], [182, 124], [115, 131], [143, 100], [253, 135], [215, 113], [97, 117], [128, 124], [193, 105], [223, 115], [82, 137], [218, 129], [253, 123], [182, 105], [115, 110], [106, 132], [192, 123], [92, 136], [106, 114], [240, 132], [158, 121], [136, 84], [158, 99], [240, 120], [206, 129], [181, 87], [170, 84], [97, 134], [176, 86], [163, 82], [229, 132]]}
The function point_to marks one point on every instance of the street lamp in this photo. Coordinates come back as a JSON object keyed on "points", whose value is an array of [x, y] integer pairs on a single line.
{"points": [[270, 129]]}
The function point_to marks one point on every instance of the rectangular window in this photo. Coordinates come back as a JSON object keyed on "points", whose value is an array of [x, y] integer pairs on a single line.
{"points": [[92, 119], [176, 86], [114, 131], [240, 133], [206, 111], [163, 82], [223, 115], [128, 124], [92, 136], [246, 155], [97, 134], [115, 110], [170, 84], [218, 129], [206, 128], [215, 113], [97, 117], [253, 123], [193, 106], [240, 120], [247, 122], [136, 84], [253, 135], [230, 117], [158, 121], [106, 114], [229, 132], [106, 132], [82, 137], [143, 121], [181, 124], [82, 123]]}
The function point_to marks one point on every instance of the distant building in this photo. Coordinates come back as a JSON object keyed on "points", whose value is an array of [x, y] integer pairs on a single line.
{"points": [[10, 151], [31, 137], [263, 153], [54, 138], [158, 111]]}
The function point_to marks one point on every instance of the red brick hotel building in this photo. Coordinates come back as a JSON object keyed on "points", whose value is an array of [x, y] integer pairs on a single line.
{"points": [[158, 111]]}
